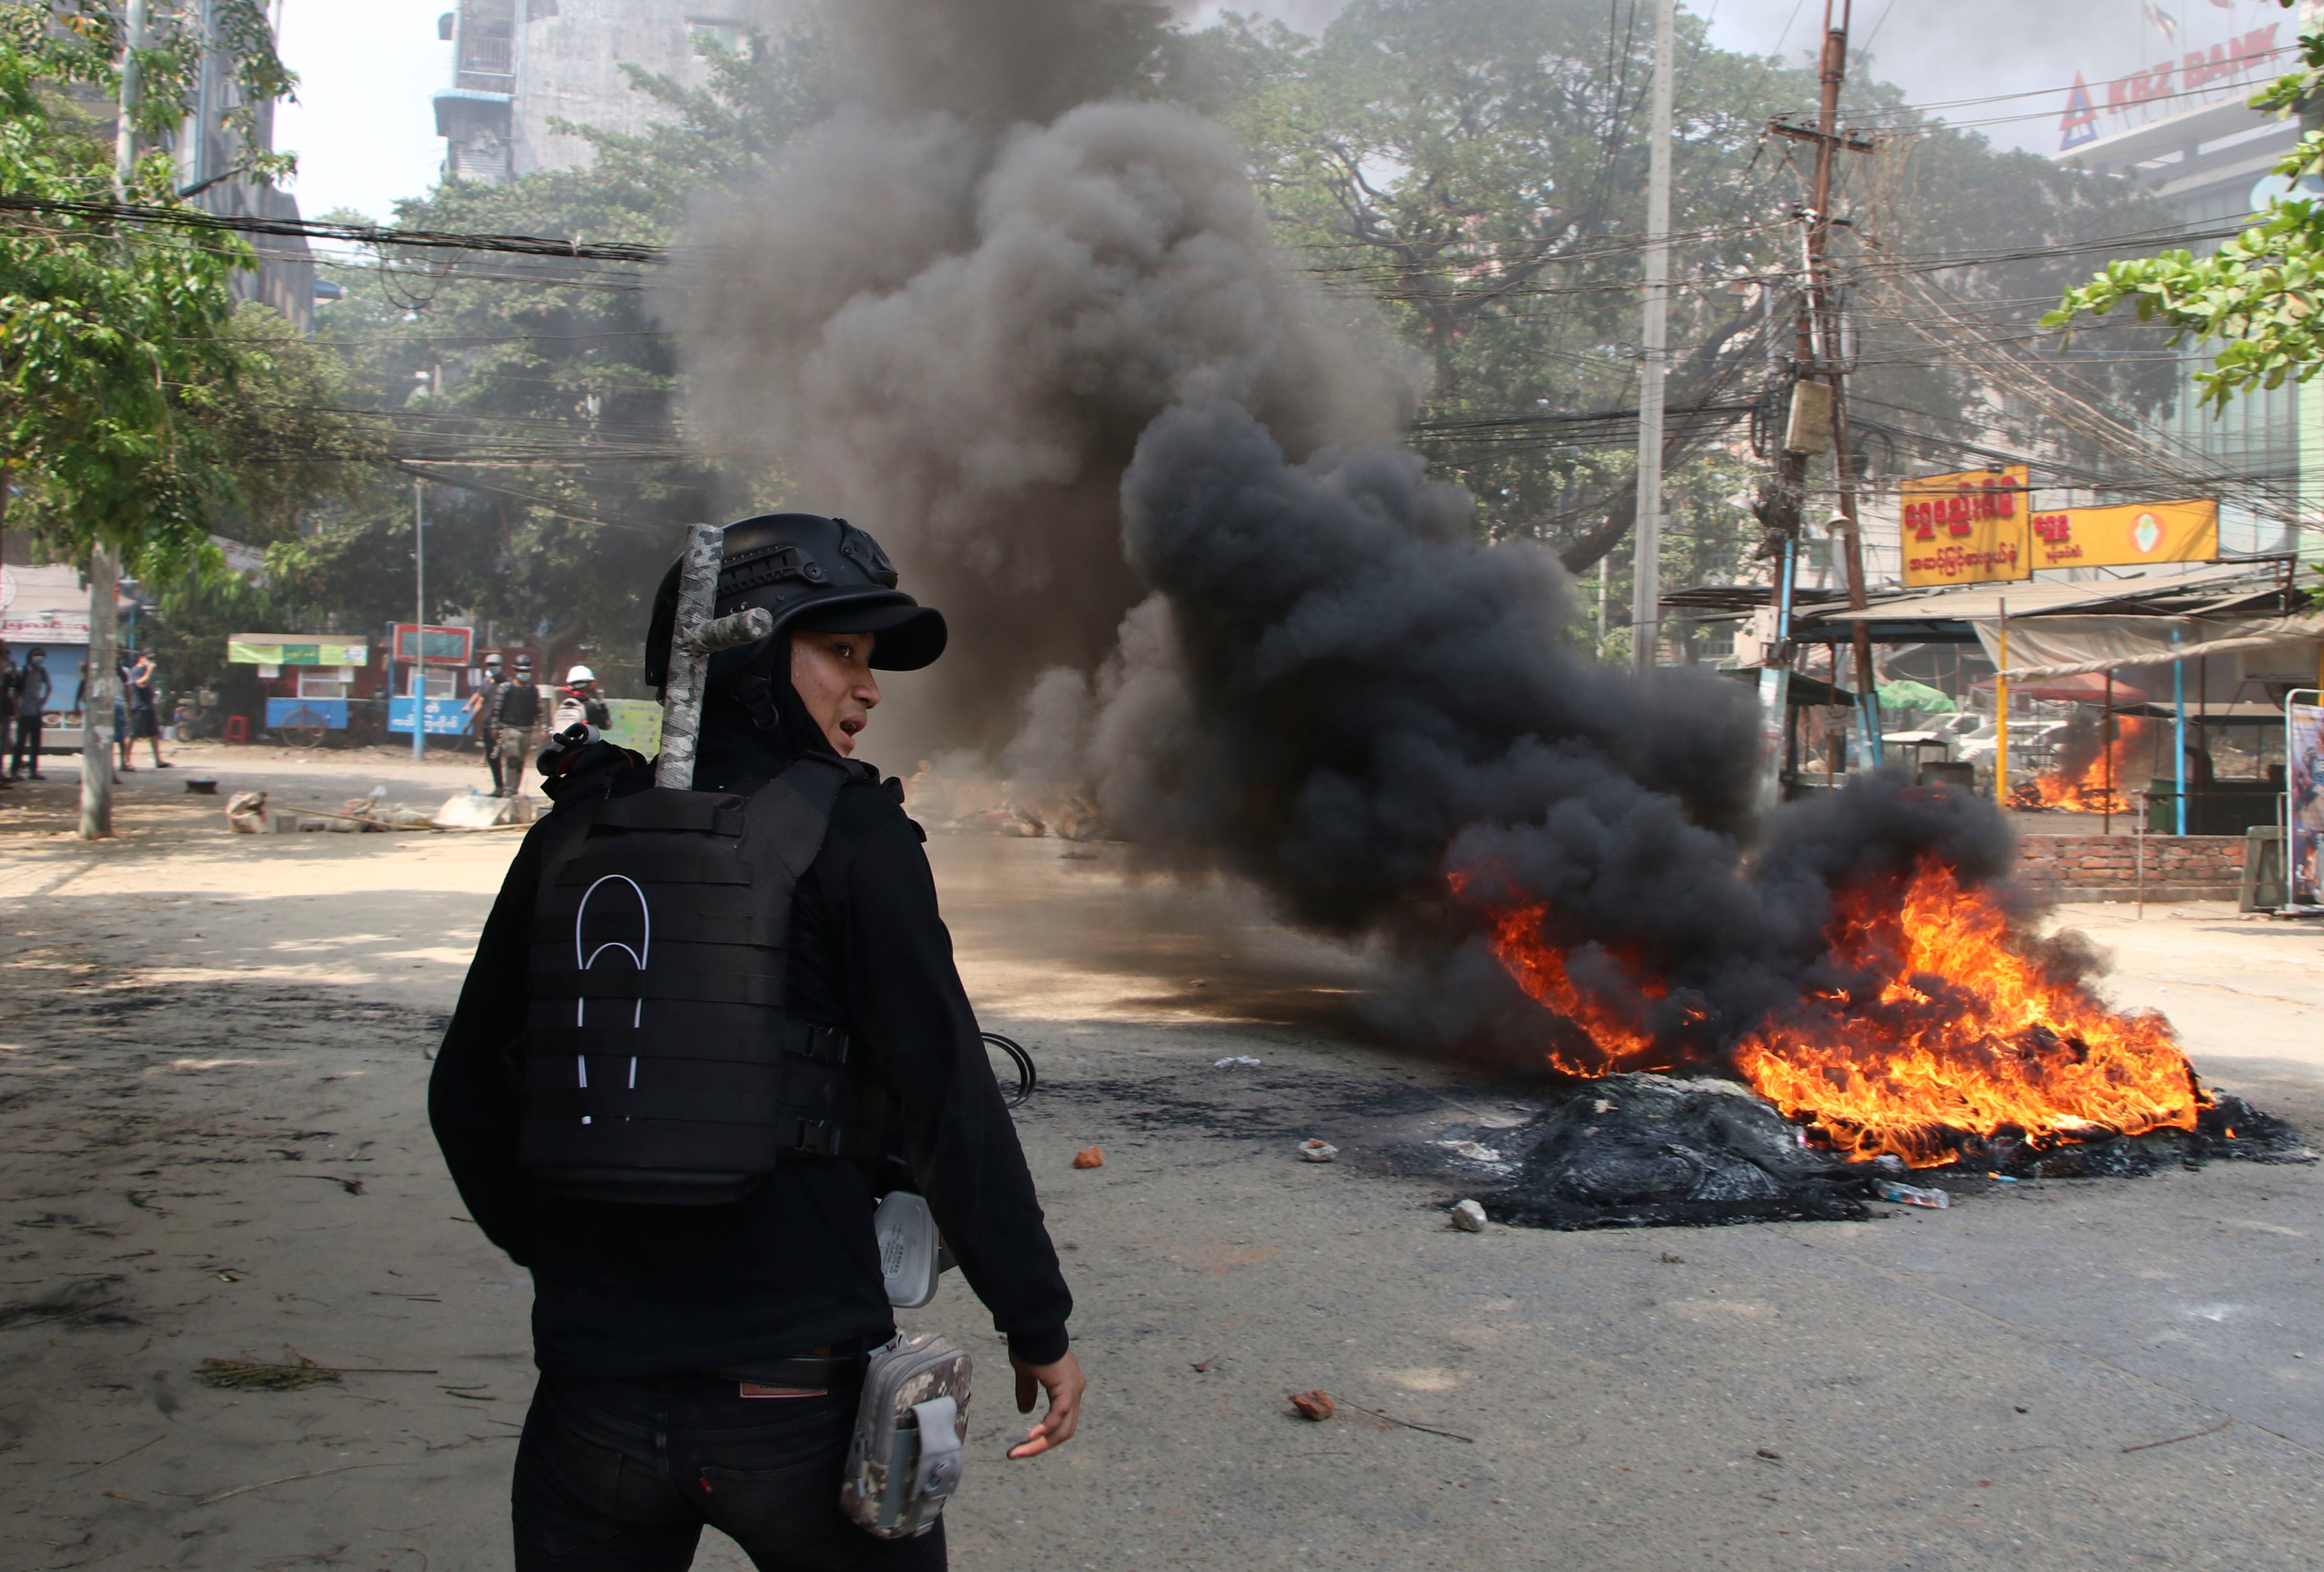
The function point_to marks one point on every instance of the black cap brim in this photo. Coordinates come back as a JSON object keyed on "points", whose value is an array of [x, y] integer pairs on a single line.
{"points": [[906, 637]]}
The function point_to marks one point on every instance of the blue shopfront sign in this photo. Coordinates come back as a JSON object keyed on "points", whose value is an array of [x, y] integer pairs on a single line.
{"points": [[446, 718], [331, 713]]}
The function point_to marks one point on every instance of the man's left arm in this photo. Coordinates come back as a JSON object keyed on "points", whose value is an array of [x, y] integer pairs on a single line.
{"points": [[907, 1007]]}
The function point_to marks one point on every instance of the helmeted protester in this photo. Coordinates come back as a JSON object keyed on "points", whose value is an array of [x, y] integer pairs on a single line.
{"points": [[580, 702], [706, 1031]]}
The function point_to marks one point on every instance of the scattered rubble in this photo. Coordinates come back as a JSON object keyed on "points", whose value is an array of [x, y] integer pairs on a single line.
{"points": [[1468, 1216], [1317, 1406], [1089, 1157], [1317, 1152]]}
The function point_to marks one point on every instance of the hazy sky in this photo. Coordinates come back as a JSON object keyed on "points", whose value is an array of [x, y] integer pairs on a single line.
{"points": [[365, 125], [365, 134]]}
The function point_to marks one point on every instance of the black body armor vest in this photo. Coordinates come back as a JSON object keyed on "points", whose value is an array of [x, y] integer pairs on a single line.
{"points": [[659, 1064]]}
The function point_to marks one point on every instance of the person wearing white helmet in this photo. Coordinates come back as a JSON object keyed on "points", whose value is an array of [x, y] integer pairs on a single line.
{"points": [[579, 701]]}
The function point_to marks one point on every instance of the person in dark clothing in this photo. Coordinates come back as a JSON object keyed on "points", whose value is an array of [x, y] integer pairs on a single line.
{"points": [[34, 686], [702, 1363], [516, 710], [481, 703], [9, 679], [140, 683]]}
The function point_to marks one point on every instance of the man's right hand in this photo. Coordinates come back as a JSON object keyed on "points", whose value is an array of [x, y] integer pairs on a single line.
{"points": [[1064, 1384]]}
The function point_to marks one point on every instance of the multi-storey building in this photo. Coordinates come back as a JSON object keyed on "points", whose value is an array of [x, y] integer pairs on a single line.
{"points": [[212, 158], [2195, 141], [518, 65]]}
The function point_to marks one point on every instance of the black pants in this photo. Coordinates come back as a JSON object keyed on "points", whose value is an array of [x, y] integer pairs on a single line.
{"points": [[493, 758], [620, 1477], [27, 744]]}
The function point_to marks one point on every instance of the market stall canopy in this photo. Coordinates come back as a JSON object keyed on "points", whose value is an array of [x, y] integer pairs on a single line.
{"points": [[296, 649], [2087, 687], [2099, 625]]}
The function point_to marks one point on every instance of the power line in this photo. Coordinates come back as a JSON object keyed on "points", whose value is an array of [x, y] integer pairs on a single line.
{"points": [[370, 234]]}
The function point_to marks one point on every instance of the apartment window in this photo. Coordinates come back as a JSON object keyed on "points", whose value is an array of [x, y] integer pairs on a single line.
{"points": [[727, 35], [487, 41]]}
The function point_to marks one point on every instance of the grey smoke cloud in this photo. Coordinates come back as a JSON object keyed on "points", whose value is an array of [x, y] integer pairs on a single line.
{"points": [[953, 329]]}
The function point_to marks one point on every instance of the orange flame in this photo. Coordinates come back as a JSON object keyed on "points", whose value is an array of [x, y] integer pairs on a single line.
{"points": [[2100, 784], [1619, 1038], [1968, 1038]]}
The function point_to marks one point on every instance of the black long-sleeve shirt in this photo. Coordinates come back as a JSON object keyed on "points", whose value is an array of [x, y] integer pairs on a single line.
{"points": [[631, 1292]]}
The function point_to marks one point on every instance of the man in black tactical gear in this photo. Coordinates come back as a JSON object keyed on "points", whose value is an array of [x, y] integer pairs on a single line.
{"points": [[516, 711], [701, 1328]]}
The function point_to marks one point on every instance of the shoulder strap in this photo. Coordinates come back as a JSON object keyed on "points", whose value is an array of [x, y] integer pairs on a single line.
{"points": [[799, 801]]}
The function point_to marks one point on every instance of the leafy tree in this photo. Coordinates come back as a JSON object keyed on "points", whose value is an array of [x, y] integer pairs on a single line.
{"points": [[136, 400], [100, 330]]}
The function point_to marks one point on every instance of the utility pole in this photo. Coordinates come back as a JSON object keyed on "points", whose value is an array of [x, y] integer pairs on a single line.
{"points": [[133, 84], [1819, 418], [1645, 567], [420, 626], [99, 681]]}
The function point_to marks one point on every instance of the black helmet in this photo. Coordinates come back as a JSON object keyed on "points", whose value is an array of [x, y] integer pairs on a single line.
{"points": [[822, 575]]}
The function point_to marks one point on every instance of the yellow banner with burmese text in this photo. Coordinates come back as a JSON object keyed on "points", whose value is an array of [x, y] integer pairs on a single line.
{"points": [[2125, 534], [1966, 528]]}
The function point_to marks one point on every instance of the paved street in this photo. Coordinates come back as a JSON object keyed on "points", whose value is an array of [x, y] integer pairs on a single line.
{"points": [[214, 1049]]}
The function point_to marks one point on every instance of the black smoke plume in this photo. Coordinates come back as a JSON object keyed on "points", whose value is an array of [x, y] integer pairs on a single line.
{"points": [[1047, 350], [1335, 694]]}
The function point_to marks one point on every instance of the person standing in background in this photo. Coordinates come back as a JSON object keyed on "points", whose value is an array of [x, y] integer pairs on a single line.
{"points": [[144, 710], [579, 702], [516, 710], [9, 679], [482, 705], [32, 687]]}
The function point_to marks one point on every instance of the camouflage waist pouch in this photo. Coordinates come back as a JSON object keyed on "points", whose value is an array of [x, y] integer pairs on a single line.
{"points": [[904, 1462]]}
